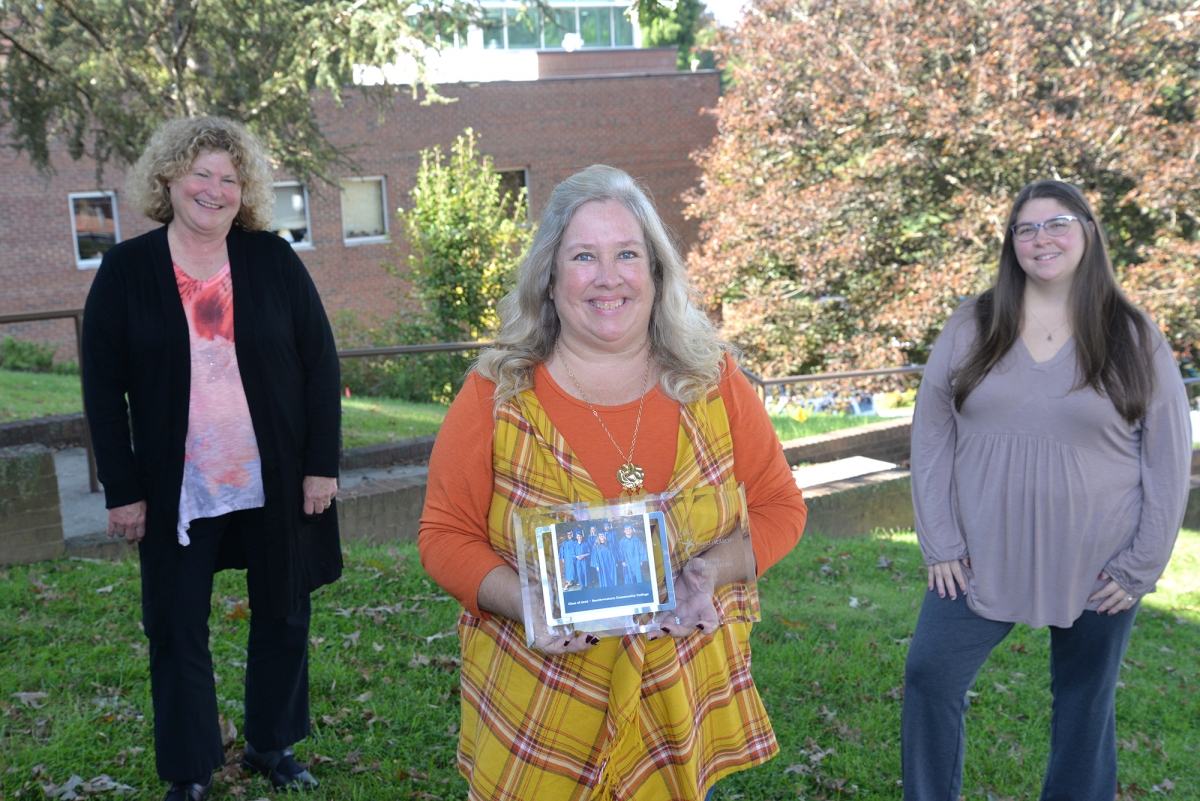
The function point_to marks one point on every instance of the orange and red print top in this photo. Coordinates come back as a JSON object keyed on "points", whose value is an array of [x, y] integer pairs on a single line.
{"points": [[222, 469]]}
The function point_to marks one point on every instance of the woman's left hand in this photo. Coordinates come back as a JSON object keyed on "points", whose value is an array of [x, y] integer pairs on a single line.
{"points": [[694, 609], [318, 493], [1115, 597]]}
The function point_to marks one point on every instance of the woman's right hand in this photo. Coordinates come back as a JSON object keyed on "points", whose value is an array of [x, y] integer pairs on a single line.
{"points": [[944, 575], [128, 521]]}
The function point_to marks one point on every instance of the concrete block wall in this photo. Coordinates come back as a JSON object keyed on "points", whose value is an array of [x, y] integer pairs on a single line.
{"points": [[857, 506], [382, 511], [58, 431], [889, 441], [30, 520]]}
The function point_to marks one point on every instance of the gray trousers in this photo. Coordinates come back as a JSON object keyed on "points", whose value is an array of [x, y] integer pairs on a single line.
{"points": [[949, 647]]}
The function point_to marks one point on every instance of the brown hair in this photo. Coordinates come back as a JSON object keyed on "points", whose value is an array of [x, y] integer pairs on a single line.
{"points": [[170, 154], [1113, 342]]}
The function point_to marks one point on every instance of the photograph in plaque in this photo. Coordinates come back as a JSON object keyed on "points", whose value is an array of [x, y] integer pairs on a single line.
{"points": [[614, 567], [604, 568]]}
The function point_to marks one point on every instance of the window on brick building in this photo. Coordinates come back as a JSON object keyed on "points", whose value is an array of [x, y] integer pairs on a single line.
{"points": [[291, 220], [364, 210], [94, 226], [511, 25], [513, 181]]}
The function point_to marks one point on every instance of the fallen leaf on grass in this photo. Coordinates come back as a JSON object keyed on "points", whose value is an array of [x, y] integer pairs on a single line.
{"points": [[440, 635], [884, 563], [896, 693], [31, 699], [237, 609], [798, 769], [319, 759], [377, 647], [418, 660], [1000, 688], [1165, 786], [76, 788], [351, 640], [228, 732], [352, 757], [367, 696], [104, 590]]}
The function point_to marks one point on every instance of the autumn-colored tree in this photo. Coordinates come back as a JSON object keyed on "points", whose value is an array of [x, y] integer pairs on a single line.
{"points": [[868, 152]]}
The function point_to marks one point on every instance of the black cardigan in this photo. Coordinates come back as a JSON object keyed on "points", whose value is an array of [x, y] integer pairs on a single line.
{"points": [[136, 344]]}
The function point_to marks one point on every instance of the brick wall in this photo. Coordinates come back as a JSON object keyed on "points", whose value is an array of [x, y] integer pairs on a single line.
{"points": [[645, 124], [30, 518]]}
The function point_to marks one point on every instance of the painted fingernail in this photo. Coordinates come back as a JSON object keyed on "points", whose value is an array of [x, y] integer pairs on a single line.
{"points": [[667, 630], [566, 642], [700, 626], [592, 640]]}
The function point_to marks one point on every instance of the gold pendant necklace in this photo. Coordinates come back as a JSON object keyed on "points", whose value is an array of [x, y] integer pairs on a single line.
{"points": [[629, 474]]}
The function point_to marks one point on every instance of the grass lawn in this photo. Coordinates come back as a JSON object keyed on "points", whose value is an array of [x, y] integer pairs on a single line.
{"points": [[25, 395], [828, 659], [820, 423], [371, 421]]}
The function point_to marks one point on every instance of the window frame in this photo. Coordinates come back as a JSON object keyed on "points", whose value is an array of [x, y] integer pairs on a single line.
{"points": [[311, 243], [614, 8], [386, 236], [524, 170], [94, 262]]}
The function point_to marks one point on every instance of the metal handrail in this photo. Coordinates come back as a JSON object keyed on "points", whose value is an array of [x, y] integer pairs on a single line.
{"points": [[77, 316], [398, 350]]}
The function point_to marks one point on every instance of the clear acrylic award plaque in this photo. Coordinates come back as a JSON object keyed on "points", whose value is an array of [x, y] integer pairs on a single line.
{"points": [[609, 567]]}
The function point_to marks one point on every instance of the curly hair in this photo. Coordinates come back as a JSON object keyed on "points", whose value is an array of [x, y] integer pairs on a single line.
{"points": [[683, 340], [174, 147]]}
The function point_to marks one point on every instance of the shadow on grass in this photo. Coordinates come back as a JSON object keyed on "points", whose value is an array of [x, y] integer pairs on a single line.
{"points": [[828, 659]]}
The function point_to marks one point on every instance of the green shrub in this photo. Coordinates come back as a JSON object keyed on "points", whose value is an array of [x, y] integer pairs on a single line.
{"points": [[30, 357]]}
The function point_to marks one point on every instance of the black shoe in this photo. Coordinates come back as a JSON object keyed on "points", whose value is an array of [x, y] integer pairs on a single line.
{"points": [[280, 767], [189, 791]]}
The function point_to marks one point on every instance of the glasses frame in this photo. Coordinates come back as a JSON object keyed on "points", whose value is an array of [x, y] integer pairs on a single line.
{"points": [[1042, 227]]}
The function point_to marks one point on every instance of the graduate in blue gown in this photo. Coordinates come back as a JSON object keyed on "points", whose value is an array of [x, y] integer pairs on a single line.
{"points": [[631, 552], [567, 552], [582, 554], [604, 561]]}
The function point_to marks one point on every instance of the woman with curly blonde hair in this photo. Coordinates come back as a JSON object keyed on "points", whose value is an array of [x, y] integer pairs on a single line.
{"points": [[216, 438], [606, 377]]}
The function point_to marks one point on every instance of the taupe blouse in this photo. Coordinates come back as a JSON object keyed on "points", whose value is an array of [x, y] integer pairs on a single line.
{"points": [[1042, 485]]}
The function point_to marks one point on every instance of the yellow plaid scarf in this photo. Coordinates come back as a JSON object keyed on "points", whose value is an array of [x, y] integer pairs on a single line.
{"points": [[629, 719]]}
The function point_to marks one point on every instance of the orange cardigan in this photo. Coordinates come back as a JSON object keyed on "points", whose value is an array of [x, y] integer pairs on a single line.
{"points": [[453, 538]]}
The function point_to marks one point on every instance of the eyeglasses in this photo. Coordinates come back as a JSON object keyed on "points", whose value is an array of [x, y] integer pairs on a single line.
{"points": [[1055, 226]]}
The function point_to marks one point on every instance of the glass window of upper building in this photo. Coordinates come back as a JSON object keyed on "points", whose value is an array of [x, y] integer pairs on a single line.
{"points": [[570, 26], [509, 25]]}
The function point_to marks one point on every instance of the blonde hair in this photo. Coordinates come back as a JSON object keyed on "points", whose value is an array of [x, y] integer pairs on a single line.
{"points": [[683, 341], [173, 149]]}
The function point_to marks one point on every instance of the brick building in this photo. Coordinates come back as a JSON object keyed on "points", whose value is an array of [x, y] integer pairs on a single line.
{"points": [[625, 107]]}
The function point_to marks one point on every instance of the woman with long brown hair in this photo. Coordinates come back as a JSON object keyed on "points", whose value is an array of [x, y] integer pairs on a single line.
{"points": [[1050, 460]]}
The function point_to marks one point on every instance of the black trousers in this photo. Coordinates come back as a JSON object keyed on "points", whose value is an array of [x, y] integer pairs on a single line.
{"points": [[187, 736]]}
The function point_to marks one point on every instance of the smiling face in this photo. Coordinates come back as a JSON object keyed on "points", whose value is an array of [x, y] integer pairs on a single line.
{"points": [[603, 291], [1049, 259], [629, 531], [207, 197]]}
